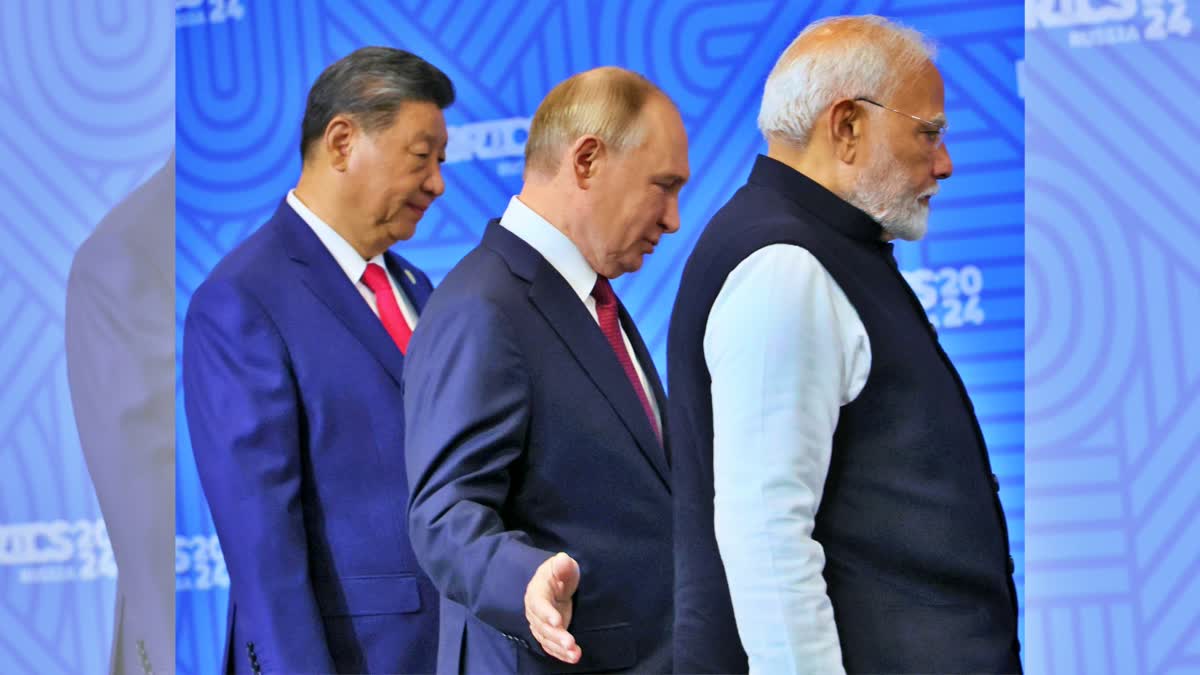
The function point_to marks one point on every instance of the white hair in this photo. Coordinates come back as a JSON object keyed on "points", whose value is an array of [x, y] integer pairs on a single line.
{"points": [[871, 60]]}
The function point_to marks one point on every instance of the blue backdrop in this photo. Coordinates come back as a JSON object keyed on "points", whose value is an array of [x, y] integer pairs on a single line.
{"points": [[244, 71], [86, 115], [1112, 379], [1113, 371]]}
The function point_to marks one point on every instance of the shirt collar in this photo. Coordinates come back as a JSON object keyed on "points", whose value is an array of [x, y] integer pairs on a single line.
{"points": [[834, 211], [552, 244], [347, 258]]}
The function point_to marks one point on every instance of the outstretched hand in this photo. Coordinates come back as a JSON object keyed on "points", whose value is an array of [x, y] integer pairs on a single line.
{"points": [[549, 604]]}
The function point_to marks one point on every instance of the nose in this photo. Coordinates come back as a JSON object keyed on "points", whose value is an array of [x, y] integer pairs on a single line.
{"points": [[942, 166], [434, 184], [670, 220]]}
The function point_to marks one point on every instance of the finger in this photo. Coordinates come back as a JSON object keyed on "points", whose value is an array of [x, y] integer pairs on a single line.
{"points": [[557, 643], [558, 636], [565, 571], [563, 568], [571, 655], [549, 622], [556, 649], [543, 610], [548, 645], [556, 563]]}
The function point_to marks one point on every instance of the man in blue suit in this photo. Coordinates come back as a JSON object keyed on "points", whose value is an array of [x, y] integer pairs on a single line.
{"points": [[292, 363], [535, 412]]}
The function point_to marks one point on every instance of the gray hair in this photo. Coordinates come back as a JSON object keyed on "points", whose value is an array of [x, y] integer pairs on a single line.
{"points": [[837, 58], [369, 85]]}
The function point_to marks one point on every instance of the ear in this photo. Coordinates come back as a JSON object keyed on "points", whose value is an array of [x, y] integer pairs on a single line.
{"points": [[340, 135], [847, 121], [587, 153]]}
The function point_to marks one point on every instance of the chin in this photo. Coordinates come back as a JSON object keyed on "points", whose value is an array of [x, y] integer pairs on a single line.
{"points": [[403, 231], [907, 231], [917, 230], [911, 226]]}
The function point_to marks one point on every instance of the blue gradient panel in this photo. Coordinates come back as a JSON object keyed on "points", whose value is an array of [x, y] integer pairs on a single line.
{"points": [[1112, 372], [87, 110], [244, 74]]}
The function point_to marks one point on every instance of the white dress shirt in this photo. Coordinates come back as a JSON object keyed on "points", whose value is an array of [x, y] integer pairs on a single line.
{"points": [[786, 350], [351, 262], [564, 256]]}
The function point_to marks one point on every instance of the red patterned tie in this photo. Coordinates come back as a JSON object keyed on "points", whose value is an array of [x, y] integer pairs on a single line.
{"points": [[389, 312], [610, 325]]}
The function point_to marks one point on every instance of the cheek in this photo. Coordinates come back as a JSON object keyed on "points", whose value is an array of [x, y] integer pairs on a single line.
{"points": [[656, 204], [921, 163], [412, 178], [372, 181]]}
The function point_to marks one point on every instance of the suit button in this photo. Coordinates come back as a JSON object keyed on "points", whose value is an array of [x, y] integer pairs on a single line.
{"points": [[145, 658], [1012, 565], [995, 484]]}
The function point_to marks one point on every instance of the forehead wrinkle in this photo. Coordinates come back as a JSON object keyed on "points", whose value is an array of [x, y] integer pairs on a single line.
{"points": [[426, 136]]}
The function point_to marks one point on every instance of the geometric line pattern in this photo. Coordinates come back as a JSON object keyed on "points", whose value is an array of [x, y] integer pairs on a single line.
{"points": [[87, 99], [1113, 377], [242, 85]]}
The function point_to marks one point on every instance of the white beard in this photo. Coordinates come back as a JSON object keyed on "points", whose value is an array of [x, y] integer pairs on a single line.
{"points": [[881, 191]]}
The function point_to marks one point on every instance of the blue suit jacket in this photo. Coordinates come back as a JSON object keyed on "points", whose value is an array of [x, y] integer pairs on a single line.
{"points": [[526, 438], [293, 397]]}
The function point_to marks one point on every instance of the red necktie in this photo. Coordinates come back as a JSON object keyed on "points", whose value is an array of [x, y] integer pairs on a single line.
{"points": [[389, 312], [610, 325]]}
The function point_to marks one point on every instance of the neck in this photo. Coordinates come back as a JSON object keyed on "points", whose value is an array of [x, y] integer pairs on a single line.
{"points": [[809, 161], [545, 199], [552, 201], [816, 165], [324, 203]]}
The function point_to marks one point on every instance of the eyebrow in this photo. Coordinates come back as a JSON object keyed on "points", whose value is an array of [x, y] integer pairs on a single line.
{"points": [[426, 136], [939, 119]]}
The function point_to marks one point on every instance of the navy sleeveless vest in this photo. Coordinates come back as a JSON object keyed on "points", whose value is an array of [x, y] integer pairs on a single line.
{"points": [[917, 562]]}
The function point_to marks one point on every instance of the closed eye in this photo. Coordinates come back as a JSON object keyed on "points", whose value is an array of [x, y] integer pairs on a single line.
{"points": [[670, 184]]}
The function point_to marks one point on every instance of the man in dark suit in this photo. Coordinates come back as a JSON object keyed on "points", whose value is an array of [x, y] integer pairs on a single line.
{"points": [[833, 488], [292, 363], [535, 412]]}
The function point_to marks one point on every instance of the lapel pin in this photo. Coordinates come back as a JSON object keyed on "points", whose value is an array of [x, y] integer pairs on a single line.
{"points": [[411, 279]]}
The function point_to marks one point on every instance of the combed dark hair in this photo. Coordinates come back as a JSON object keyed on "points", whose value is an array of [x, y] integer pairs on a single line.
{"points": [[370, 84]]}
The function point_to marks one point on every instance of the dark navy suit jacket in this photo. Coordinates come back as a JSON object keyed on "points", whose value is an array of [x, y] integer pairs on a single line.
{"points": [[293, 397], [525, 438]]}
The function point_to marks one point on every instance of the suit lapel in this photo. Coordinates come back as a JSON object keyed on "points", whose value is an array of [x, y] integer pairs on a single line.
{"points": [[415, 288], [320, 273], [570, 319]]}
